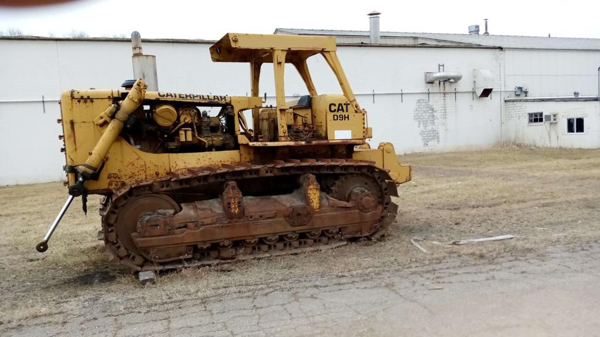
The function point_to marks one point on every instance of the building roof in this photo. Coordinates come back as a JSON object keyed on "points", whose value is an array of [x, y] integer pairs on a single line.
{"points": [[438, 39], [103, 39], [353, 37]]}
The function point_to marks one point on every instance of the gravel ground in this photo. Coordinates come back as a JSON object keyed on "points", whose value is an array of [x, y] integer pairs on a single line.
{"points": [[540, 283]]}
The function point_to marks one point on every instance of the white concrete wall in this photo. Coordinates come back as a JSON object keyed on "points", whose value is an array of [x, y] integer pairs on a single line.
{"points": [[519, 131], [416, 121], [30, 150], [553, 72], [413, 121]]}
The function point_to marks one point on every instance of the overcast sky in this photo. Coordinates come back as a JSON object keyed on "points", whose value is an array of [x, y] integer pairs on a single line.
{"points": [[211, 20]]}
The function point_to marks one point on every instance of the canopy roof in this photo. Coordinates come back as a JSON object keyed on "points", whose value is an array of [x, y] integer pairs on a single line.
{"points": [[234, 47]]}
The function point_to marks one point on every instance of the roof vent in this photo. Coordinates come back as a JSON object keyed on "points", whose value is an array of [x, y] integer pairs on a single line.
{"points": [[374, 24], [474, 30]]}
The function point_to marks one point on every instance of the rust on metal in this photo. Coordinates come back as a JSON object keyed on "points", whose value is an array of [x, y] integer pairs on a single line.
{"points": [[147, 230], [232, 201], [312, 191]]}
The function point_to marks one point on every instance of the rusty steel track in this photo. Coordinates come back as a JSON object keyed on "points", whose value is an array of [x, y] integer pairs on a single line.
{"points": [[342, 170]]}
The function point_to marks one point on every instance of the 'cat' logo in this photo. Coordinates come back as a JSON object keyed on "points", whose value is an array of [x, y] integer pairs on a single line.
{"points": [[339, 107]]}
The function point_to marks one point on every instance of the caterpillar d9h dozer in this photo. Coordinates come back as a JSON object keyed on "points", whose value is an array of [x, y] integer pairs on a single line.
{"points": [[186, 187]]}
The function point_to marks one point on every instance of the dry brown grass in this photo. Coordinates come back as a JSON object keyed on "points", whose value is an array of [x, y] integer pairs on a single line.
{"points": [[544, 196]]}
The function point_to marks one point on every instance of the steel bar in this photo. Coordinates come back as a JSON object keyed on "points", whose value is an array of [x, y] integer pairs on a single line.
{"points": [[43, 246]]}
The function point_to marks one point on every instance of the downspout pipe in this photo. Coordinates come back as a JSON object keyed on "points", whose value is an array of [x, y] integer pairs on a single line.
{"points": [[598, 84]]}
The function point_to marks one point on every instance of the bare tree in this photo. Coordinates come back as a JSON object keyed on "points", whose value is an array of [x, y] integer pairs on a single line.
{"points": [[115, 36], [77, 33], [12, 32]]}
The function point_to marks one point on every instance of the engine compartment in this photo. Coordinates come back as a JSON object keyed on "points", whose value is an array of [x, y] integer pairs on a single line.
{"points": [[175, 127]]}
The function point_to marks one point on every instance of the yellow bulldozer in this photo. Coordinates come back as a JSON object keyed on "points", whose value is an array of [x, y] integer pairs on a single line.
{"points": [[191, 179]]}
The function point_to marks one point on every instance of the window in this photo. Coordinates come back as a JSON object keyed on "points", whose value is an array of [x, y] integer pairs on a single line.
{"points": [[536, 117], [574, 125]]}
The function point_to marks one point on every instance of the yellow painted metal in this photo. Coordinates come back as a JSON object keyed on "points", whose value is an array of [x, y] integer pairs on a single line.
{"points": [[267, 118], [279, 50], [335, 116], [234, 205], [235, 47], [128, 165], [124, 164], [313, 194], [92, 124], [79, 109], [305, 143], [165, 115], [299, 117], [302, 68], [106, 115], [282, 108], [131, 102], [336, 66], [191, 98], [254, 90], [385, 157]]}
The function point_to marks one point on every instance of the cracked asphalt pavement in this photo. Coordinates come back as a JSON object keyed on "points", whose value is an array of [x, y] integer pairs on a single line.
{"points": [[552, 294]]}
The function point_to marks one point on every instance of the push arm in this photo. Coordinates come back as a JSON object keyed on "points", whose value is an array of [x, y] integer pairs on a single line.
{"points": [[133, 100]]}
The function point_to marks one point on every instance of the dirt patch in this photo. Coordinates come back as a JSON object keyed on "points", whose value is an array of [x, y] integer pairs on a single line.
{"points": [[545, 197], [94, 277]]}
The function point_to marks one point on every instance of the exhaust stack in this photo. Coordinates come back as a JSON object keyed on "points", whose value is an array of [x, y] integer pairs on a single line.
{"points": [[374, 24], [486, 33], [144, 66]]}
